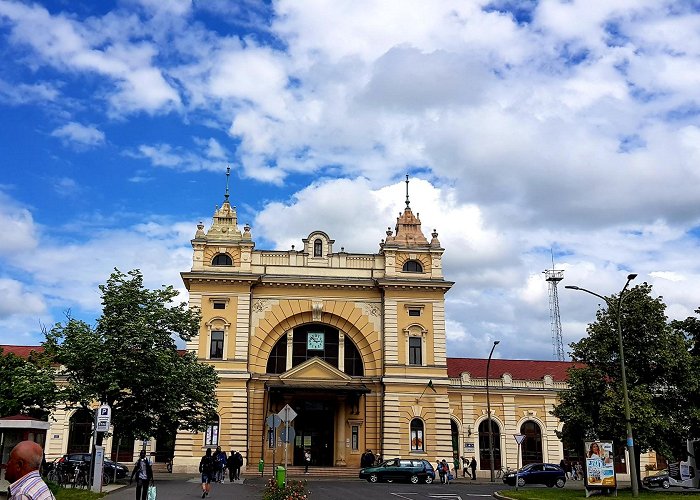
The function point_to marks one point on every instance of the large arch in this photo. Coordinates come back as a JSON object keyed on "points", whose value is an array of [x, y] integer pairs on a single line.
{"points": [[80, 431], [483, 437], [262, 348], [533, 445]]}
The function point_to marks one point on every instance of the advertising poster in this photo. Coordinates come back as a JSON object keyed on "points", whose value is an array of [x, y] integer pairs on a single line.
{"points": [[600, 467]]}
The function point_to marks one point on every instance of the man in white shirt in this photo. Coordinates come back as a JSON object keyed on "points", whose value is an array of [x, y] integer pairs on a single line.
{"points": [[23, 472]]}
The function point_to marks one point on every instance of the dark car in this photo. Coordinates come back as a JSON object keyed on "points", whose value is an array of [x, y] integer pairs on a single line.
{"points": [[661, 478], [398, 469], [547, 474], [73, 459]]}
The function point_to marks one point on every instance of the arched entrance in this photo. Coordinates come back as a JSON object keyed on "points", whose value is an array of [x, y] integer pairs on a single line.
{"points": [[455, 438], [80, 431], [484, 452], [532, 445]]}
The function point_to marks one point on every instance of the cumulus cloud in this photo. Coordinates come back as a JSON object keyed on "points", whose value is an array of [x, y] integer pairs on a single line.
{"points": [[80, 135], [19, 228]]}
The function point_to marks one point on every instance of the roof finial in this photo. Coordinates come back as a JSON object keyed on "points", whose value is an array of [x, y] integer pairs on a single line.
{"points": [[408, 203], [228, 174]]}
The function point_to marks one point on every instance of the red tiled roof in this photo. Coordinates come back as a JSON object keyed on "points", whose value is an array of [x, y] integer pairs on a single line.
{"points": [[520, 369], [22, 351], [20, 417]]}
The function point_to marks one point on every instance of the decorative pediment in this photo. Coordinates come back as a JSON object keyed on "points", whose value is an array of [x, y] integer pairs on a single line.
{"points": [[315, 369]]}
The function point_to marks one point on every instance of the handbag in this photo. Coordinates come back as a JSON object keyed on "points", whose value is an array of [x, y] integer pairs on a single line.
{"points": [[151, 492], [450, 477]]}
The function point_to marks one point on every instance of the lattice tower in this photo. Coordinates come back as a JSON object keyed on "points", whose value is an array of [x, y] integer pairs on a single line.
{"points": [[553, 277]]}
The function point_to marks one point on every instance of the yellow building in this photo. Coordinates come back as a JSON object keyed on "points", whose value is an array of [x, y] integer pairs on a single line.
{"points": [[355, 345]]}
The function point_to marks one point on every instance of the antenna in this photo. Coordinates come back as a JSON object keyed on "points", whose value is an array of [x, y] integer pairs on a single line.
{"points": [[554, 276], [228, 174], [408, 203]]}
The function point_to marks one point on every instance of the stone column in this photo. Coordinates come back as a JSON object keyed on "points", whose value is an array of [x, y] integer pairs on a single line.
{"points": [[341, 351], [340, 433], [290, 341]]}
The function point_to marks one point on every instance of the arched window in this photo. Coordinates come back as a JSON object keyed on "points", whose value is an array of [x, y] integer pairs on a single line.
{"points": [[221, 260], [216, 349], [80, 431], [485, 456], [532, 445], [412, 266], [318, 248], [211, 436], [316, 340], [353, 360], [277, 362], [454, 428], [417, 436]]}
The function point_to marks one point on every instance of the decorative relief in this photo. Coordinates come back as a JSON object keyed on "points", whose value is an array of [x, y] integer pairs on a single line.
{"points": [[370, 309], [316, 309], [261, 305], [529, 413], [417, 410]]}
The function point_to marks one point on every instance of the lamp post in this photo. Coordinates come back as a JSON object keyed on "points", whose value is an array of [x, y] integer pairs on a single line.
{"points": [[630, 439], [488, 408]]}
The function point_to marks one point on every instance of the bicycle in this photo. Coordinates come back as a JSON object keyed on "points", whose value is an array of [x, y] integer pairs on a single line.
{"points": [[503, 472]]}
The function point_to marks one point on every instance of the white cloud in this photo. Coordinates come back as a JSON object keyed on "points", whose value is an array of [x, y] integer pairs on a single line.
{"points": [[17, 300], [80, 135], [19, 229]]}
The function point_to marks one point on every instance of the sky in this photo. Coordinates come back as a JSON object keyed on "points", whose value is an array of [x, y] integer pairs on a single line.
{"points": [[536, 134]]}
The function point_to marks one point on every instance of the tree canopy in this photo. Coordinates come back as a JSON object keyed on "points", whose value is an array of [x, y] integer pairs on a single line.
{"points": [[27, 386], [129, 360], [662, 376]]}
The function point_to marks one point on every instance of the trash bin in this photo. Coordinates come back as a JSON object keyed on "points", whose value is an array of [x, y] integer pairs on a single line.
{"points": [[281, 475], [261, 466]]}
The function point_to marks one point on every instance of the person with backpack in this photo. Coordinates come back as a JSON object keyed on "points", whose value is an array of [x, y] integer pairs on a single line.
{"points": [[144, 476], [440, 471], [220, 464], [206, 468]]}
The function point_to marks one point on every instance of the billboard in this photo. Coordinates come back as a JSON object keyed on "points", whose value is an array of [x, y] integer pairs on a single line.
{"points": [[600, 467]]}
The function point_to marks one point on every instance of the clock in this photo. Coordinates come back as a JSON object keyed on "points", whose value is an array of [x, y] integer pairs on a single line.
{"points": [[315, 341]]}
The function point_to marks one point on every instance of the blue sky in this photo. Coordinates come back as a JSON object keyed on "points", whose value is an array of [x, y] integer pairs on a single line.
{"points": [[526, 127]]}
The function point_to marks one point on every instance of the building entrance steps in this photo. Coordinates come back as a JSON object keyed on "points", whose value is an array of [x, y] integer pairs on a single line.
{"points": [[297, 472]]}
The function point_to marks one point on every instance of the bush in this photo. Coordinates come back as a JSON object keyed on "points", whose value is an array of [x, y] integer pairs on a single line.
{"points": [[295, 490]]}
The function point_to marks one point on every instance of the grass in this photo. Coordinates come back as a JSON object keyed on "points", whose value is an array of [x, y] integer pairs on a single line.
{"points": [[565, 494], [76, 494]]}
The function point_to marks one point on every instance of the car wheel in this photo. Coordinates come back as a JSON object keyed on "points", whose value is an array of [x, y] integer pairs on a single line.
{"points": [[428, 479], [373, 478], [414, 479], [521, 481], [560, 482], [665, 484]]}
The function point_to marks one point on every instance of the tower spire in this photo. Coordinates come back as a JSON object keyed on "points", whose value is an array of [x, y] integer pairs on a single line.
{"points": [[408, 203], [228, 174]]}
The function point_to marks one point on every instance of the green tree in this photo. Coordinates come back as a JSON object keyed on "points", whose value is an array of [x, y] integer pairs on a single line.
{"points": [[658, 364], [130, 360], [27, 386]]}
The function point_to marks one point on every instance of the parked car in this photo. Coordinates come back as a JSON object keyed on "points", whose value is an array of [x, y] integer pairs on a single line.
{"points": [[108, 468], [397, 469], [659, 479], [547, 474]]}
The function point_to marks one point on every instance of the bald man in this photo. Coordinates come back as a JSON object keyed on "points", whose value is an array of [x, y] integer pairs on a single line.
{"points": [[23, 472]]}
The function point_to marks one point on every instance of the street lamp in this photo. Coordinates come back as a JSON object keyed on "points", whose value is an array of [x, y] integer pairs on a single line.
{"points": [[630, 439], [488, 408]]}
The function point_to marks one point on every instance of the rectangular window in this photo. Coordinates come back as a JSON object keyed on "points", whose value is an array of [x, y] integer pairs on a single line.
{"points": [[219, 305], [211, 437], [416, 439], [355, 437], [217, 345], [415, 354], [414, 312]]}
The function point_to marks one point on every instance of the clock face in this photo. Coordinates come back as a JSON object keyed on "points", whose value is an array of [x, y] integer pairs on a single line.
{"points": [[314, 341]]}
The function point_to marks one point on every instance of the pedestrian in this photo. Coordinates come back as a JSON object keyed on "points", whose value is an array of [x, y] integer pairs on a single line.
{"points": [[231, 466], [455, 461], [370, 458], [206, 468], [220, 464], [465, 467], [307, 461], [574, 472], [238, 463], [472, 465], [441, 471], [144, 476], [446, 471], [22, 471]]}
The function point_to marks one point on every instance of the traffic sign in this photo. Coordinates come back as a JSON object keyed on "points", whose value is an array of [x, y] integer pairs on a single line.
{"points": [[287, 414], [519, 438], [288, 434], [273, 421]]}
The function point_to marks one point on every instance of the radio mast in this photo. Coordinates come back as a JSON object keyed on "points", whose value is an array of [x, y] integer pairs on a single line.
{"points": [[553, 277]]}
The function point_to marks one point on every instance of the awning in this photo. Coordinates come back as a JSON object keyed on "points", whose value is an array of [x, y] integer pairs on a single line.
{"points": [[341, 386], [23, 422]]}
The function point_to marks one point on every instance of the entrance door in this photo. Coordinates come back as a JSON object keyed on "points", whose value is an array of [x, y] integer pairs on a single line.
{"points": [[314, 431]]}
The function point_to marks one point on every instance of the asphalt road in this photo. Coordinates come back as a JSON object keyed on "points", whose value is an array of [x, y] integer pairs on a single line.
{"points": [[189, 488]]}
